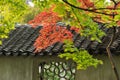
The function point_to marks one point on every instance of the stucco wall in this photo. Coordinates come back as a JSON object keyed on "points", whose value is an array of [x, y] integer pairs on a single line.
{"points": [[15, 68], [102, 72], [23, 67], [26, 68]]}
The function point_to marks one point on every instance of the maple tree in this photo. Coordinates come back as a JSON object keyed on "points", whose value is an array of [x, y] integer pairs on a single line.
{"points": [[51, 32], [86, 14]]}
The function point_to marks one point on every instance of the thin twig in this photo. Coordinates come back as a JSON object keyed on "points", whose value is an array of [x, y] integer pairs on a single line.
{"points": [[110, 54]]}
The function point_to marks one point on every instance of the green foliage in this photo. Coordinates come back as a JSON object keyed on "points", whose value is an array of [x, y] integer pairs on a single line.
{"points": [[12, 12], [82, 58]]}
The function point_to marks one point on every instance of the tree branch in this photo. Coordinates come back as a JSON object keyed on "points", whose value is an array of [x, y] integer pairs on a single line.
{"points": [[110, 54], [110, 44], [114, 2], [89, 10]]}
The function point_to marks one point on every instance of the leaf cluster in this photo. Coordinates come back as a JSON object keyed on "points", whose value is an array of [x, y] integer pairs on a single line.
{"points": [[81, 57]]}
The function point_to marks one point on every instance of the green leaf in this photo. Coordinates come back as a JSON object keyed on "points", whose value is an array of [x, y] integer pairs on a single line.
{"points": [[74, 2]]}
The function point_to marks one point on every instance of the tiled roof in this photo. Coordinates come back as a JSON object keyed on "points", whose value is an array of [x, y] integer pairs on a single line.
{"points": [[21, 40]]}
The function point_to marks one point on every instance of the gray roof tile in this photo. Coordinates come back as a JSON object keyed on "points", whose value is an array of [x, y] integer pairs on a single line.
{"points": [[21, 40]]}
